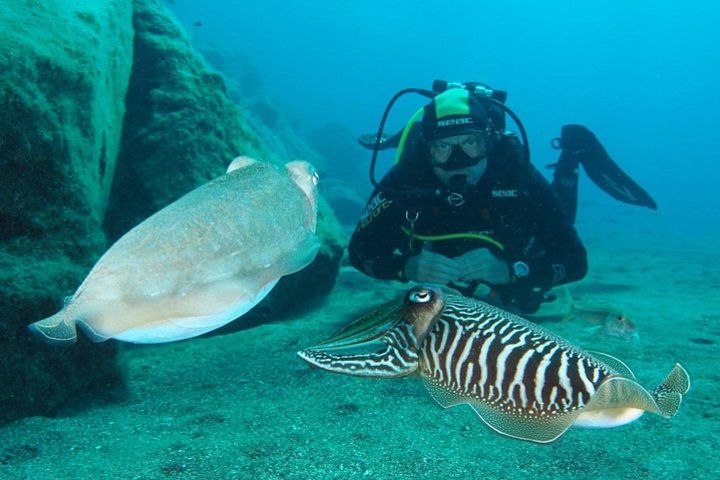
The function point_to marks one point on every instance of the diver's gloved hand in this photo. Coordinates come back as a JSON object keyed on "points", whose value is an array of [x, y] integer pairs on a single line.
{"points": [[386, 141], [368, 141], [430, 267], [482, 265]]}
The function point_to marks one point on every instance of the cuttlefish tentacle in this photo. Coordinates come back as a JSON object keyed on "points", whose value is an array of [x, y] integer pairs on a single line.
{"points": [[378, 345], [392, 358], [371, 326], [522, 380]]}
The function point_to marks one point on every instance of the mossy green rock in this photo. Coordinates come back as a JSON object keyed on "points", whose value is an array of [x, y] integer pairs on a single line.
{"points": [[64, 72]]}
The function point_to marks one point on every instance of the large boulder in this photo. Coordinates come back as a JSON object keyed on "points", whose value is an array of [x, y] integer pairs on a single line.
{"points": [[64, 72]]}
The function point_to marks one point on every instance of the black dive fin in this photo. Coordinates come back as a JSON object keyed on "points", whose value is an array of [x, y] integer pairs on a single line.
{"points": [[580, 142], [386, 142]]}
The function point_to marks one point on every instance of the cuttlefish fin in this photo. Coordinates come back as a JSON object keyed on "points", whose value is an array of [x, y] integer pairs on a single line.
{"points": [[532, 428], [620, 400], [615, 363], [240, 162], [176, 328], [58, 329], [441, 395], [540, 429], [668, 395]]}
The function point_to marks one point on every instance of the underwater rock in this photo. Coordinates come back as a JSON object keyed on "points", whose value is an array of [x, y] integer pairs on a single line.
{"points": [[347, 199], [345, 186], [64, 72], [345, 159]]}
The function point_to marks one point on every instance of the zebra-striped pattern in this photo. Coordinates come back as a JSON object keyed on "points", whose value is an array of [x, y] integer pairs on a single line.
{"points": [[477, 351], [394, 359]]}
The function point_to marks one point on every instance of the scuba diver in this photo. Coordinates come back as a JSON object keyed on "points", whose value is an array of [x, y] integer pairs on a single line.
{"points": [[463, 206]]}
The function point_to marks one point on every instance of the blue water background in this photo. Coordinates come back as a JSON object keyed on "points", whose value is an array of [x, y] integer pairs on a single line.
{"points": [[642, 75]]}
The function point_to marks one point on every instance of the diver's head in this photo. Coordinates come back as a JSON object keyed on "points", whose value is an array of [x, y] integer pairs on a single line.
{"points": [[456, 127], [459, 157], [453, 112]]}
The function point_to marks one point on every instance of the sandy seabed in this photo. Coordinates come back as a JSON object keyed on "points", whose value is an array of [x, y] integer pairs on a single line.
{"points": [[245, 406]]}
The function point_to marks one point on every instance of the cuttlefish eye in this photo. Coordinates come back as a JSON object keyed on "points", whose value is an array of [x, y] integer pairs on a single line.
{"points": [[420, 295]]}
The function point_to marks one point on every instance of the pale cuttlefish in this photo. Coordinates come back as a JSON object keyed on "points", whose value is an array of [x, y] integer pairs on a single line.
{"points": [[521, 379], [199, 263]]}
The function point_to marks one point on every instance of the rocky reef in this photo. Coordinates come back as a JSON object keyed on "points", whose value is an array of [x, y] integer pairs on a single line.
{"points": [[107, 115], [64, 70]]}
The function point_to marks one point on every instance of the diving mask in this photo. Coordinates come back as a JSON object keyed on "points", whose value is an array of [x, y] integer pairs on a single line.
{"points": [[459, 151]]}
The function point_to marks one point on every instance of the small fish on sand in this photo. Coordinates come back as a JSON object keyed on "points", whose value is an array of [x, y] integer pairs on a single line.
{"points": [[601, 318], [521, 379], [199, 263]]}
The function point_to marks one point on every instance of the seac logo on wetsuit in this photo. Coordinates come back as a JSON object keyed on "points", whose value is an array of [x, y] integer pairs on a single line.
{"points": [[455, 121], [373, 209], [504, 193]]}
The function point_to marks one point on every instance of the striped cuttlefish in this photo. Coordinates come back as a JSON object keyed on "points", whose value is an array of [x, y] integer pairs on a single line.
{"points": [[521, 379]]}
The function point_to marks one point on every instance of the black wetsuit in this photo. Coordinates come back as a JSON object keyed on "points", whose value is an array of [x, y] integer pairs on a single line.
{"points": [[512, 211]]}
